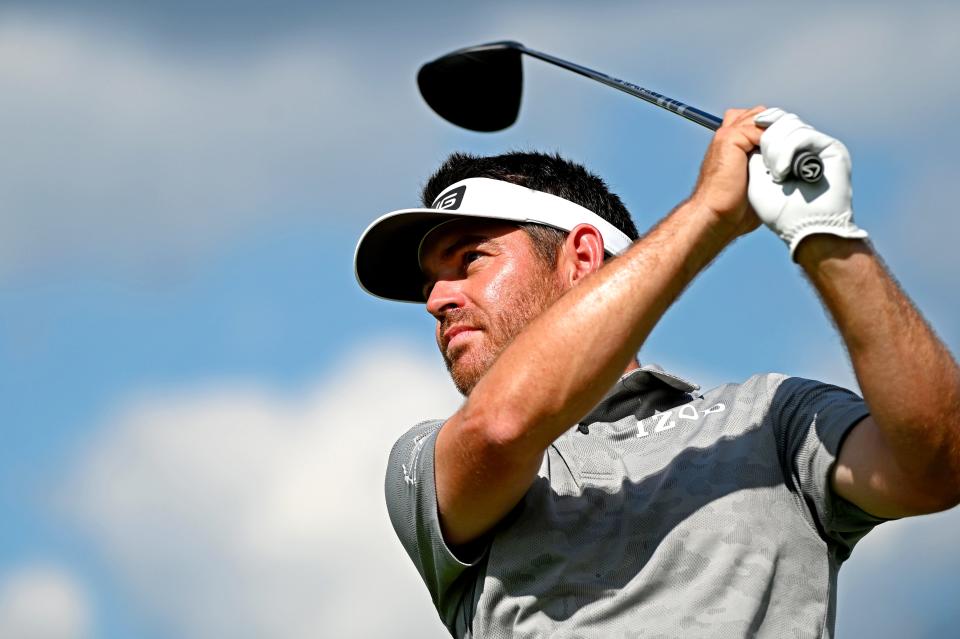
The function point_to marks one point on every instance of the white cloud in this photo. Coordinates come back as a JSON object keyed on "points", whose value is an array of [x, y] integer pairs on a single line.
{"points": [[43, 601], [874, 70], [119, 148], [231, 511]]}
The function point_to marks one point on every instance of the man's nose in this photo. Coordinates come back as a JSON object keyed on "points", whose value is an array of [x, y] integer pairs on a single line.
{"points": [[444, 296]]}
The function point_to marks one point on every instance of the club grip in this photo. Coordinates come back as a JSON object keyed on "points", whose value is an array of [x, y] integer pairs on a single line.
{"points": [[807, 166]]}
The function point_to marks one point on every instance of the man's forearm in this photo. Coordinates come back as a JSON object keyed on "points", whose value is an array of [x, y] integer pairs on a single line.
{"points": [[564, 361], [558, 368], [908, 378]]}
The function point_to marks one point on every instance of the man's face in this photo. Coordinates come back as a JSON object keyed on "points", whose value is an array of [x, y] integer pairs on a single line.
{"points": [[484, 285]]}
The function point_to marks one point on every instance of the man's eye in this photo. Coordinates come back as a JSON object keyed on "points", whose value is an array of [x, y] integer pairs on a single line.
{"points": [[471, 256]]}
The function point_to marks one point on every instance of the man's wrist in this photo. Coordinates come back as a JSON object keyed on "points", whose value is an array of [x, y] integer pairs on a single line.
{"points": [[691, 233], [817, 251], [718, 229]]}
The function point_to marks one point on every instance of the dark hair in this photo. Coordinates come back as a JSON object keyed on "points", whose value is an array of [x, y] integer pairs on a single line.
{"points": [[542, 172]]}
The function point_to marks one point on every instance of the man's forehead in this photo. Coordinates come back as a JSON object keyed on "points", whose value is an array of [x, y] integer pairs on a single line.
{"points": [[457, 232]]}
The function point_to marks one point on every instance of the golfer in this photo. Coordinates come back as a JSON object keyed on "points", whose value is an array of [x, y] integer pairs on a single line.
{"points": [[578, 493]]}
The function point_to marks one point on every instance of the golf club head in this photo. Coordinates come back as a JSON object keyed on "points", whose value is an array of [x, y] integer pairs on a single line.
{"points": [[477, 88]]}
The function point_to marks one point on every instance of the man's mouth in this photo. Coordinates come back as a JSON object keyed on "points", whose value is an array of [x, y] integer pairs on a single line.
{"points": [[456, 335]]}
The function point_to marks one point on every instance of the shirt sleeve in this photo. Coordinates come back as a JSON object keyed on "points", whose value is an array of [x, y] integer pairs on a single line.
{"points": [[813, 418], [411, 495]]}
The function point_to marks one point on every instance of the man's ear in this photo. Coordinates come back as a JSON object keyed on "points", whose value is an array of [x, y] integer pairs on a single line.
{"points": [[581, 254]]}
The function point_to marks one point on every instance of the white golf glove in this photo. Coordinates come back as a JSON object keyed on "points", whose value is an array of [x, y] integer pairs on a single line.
{"points": [[794, 209]]}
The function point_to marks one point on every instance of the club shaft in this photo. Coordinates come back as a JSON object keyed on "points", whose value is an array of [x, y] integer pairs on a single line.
{"points": [[693, 114]]}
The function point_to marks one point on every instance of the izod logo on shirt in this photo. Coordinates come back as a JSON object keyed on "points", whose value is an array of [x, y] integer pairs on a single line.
{"points": [[666, 421]]}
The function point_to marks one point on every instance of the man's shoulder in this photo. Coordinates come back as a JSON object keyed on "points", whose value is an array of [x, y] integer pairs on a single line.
{"points": [[772, 381], [779, 389], [758, 384], [419, 431], [407, 448], [783, 385]]}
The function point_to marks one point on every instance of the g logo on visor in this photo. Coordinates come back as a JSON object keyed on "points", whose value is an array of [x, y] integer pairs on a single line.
{"points": [[450, 200]]}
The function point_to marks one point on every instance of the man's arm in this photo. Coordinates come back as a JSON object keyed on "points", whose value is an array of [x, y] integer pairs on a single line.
{"points": [[562, 363], [905, 458]]}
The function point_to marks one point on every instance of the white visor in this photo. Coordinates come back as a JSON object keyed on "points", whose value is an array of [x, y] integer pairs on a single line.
{"points": [[387, 259]]}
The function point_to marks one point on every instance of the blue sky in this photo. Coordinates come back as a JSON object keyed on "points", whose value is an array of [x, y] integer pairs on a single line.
{"points": [[197, 400]]}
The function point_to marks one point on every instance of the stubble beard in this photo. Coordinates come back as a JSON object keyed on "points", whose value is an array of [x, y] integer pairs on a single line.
{"points": [[469, 363]]}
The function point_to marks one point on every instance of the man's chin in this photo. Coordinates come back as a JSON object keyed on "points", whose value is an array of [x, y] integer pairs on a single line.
{"points": [[466, 370]]}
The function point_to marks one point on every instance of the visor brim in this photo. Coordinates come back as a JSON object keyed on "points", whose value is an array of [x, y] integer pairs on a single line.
{"points": [[387, 263]]}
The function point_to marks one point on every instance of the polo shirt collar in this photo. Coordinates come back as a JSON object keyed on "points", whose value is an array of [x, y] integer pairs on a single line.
{"points": [[646, 374], [639, 393]]}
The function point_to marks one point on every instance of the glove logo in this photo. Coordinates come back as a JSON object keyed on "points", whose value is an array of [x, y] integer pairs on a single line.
{"points": [[450, 200], [810, 168]]}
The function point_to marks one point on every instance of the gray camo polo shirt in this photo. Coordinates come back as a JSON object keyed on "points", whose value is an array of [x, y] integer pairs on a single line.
{"points": [[665, 513]]}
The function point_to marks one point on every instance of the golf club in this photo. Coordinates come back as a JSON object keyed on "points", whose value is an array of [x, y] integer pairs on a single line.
{"points": [[479, 88]]}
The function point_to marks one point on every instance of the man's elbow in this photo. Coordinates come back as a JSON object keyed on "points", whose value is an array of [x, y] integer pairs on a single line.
{"points": [[943, 479], [500, 434], [939, 492], [948, 496], [929, 474]]}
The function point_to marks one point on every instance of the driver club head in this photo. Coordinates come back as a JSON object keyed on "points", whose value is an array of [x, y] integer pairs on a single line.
{"points": [[477, 88]]}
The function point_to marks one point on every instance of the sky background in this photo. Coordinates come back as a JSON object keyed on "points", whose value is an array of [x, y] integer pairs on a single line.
{"points": [[196, 399]]}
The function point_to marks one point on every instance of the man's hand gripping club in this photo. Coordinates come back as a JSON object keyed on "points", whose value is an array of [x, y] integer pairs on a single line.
{"points": [[791, 208]]}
